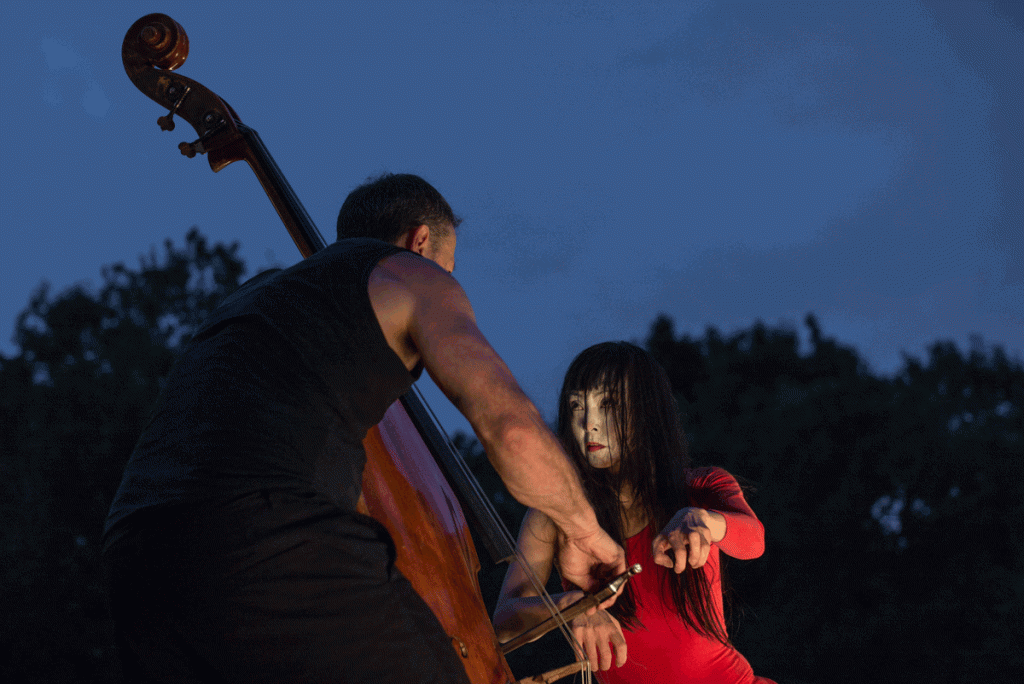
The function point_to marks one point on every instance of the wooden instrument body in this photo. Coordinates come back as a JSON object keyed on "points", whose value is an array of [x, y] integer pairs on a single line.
{"points": [[409, 495]]}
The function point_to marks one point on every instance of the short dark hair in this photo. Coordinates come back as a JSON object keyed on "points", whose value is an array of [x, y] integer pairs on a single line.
{"points": [[387, 206]]}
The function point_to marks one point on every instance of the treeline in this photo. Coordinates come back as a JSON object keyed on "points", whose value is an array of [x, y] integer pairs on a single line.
{"points": [[73, 401], [892, 505]]}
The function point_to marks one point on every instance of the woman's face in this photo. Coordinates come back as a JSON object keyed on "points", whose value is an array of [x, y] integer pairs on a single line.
{"points": [[595, 428]]}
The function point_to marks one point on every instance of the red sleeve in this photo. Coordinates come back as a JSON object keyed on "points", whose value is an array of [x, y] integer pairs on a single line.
{"points": [[717, 490]]}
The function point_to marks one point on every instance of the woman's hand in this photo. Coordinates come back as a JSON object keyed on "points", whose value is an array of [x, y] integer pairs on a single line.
{"points": [[689, 536], [598, 634]]}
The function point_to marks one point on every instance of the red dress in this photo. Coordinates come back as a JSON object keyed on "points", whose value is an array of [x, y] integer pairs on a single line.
{"points": [[665, 650]]}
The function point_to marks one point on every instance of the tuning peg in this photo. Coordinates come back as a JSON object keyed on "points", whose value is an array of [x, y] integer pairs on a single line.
{"points": [[166, 123], [214, 122], [192, 149]]}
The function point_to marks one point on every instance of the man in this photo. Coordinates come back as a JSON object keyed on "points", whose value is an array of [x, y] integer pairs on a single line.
{"points": [[234, 547]]}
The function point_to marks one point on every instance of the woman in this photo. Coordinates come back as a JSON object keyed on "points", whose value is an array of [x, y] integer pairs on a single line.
{"points": [[619, 420]]}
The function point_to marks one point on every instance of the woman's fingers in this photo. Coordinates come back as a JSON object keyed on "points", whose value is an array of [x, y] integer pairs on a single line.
{"points": [[679, 549], [600, 635], [700, 547], [587, 639], [619, 642], [604, 655]]}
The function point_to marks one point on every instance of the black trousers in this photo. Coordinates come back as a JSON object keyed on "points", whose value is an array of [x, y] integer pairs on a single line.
{"points": [[271, 587]]}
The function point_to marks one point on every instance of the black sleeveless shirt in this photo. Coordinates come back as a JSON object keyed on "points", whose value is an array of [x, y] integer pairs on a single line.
{"points": [[276, 391]]}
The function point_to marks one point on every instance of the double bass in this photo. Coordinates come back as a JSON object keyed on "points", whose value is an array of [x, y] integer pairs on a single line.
{"points": [[414, 483]]}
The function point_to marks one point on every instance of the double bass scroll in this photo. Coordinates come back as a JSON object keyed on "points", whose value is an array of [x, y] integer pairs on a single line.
{"points": [[154, 46]]}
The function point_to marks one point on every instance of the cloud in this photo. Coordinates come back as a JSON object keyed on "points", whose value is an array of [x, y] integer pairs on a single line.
{"points": [[59, 56], [95, 101], [932, 89], [520, 249], [71, 79]]}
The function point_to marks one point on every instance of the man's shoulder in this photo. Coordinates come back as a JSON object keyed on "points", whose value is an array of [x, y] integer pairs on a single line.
{"points": [[412, 271], [359, 256], [357, 246], [356, 241]]}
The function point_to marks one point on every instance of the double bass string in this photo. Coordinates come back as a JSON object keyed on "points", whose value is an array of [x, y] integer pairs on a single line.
{"points": [[506, 536]]}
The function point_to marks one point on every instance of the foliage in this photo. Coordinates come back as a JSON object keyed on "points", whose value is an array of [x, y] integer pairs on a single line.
{"points": [[74, 400], [892, 506]]}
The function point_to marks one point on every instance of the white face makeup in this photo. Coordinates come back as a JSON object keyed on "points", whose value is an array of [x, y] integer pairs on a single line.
{"points": [[595, 429]]}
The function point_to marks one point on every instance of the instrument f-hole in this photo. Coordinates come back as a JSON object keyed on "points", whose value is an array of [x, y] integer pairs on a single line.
{"points": [[460, 646]]}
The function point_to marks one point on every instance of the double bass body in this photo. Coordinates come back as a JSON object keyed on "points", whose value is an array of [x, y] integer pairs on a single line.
{"points": [[412, 499]]}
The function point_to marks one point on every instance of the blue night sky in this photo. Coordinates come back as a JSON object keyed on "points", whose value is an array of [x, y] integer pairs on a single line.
{"points": [[720, 162]]}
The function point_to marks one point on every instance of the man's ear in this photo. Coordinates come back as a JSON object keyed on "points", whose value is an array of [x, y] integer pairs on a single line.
{"points": [[417, 239]]}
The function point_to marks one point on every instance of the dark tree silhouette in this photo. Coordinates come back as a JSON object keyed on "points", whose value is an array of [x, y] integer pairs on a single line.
{"points": [[893, 506], [74, 400]]}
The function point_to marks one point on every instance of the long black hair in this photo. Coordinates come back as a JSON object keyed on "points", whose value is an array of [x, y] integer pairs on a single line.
{"points": [[653, 461]]}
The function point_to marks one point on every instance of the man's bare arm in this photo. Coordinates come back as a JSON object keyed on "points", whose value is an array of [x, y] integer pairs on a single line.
{"points": [[469, 371], [425, 315]]}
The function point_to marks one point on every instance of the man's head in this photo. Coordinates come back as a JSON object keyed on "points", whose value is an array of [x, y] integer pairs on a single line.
{"points": [[391, 205]]}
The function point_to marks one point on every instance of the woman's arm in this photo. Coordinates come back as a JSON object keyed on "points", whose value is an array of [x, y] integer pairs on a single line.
{"points": [[720, 516], [688, 536], [520, 606]]}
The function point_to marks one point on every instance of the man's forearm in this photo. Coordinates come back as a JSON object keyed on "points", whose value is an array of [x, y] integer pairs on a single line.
{"points": [[531, 463]]}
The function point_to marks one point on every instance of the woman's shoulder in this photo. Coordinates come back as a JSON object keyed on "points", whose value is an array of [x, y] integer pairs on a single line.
{"points": [[710, 477], [706, 474]]}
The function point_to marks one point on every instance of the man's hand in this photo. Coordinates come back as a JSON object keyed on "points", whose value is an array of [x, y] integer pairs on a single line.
{"points": [[590, 562], [688, 536]]}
